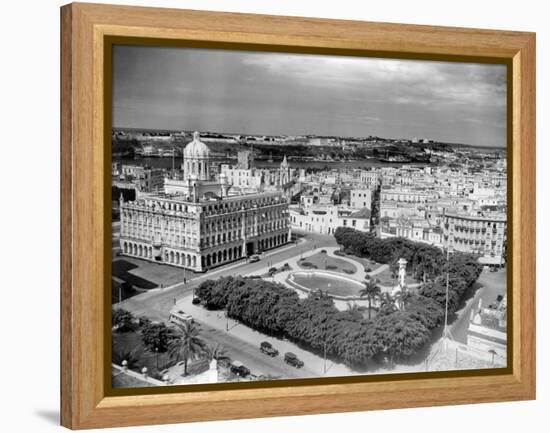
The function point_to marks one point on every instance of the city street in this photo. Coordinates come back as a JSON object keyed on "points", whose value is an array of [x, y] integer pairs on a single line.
{"points": [[160, 301], [242, 343], [156, 305]]}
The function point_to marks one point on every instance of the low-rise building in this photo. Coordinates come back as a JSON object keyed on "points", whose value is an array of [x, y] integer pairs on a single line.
{"points": [[406, 195], [141, 178], [325, 219], [360, 198]]}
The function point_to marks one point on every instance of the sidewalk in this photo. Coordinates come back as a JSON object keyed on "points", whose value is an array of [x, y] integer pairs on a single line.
{"points": [[211, 273], [314, 364]]}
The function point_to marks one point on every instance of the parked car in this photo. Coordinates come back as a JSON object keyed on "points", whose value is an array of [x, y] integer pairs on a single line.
{"points": [[268, 349], [239, 369], [254, 258], [196, 301], [292, 359]]}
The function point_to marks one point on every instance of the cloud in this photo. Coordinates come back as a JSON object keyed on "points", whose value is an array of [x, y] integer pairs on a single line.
{"points": [[403, 81], [278, 93]]}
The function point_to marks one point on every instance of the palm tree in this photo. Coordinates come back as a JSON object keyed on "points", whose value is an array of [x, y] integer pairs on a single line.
{"points": [[402, 297], [187, 344], [218, 353], [371, 292], [387, 304]]}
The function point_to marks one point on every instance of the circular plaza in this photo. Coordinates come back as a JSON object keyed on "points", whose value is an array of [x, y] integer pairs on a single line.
{"points": [[336, 285]]}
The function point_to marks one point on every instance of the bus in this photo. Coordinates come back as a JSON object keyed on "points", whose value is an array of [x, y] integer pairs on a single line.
{"points": [[180, 317]]}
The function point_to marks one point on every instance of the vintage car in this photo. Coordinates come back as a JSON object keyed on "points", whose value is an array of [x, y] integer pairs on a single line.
{"points": [[292, 359], [268, 349], [239, 369]]}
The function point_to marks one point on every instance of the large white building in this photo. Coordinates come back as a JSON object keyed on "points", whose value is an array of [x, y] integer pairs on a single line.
{"points": [[248, 178], [325, 219], [481, 234], [371, 178], [197, 223]]}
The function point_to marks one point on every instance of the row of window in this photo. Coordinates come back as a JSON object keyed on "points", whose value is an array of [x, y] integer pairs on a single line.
{"points": [[235, 220], [170, 239], [233, 206], [143, 218], [474, 224]]}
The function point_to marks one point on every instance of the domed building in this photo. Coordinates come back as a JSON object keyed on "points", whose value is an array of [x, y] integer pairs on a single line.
{"points": [[196, 223], [196, 180], [196, 159]]}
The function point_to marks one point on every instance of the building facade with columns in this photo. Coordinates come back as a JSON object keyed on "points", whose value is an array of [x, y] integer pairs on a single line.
{"points": [[198, 224]]}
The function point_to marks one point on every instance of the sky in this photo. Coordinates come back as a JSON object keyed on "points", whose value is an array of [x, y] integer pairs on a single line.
{"points": [[291, 94]]}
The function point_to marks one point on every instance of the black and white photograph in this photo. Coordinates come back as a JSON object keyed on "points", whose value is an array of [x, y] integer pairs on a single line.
{"points": [[285, 216]]}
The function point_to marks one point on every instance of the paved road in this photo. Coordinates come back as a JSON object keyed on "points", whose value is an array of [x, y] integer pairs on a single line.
{"points": [[160, 301], [489, 286], [156, 304]]}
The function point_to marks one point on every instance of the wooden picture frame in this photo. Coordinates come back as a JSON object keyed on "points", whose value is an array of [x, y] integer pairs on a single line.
{"points": [[85, 232]]}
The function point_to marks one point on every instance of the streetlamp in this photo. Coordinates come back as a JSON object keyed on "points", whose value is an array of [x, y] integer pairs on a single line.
{"points": [[157, 353]]}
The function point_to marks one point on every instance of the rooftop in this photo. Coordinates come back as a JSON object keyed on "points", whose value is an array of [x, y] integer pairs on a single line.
{"points": [[478, 215]]}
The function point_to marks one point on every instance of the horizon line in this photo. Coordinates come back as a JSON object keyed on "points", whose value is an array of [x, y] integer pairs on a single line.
{"points": [[432, 141]]}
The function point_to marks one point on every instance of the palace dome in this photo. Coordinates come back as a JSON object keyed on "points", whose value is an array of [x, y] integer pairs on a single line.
{"points": [[196, 149]]}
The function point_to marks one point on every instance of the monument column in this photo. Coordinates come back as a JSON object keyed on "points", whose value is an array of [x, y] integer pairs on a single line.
{"points": [[402, 271]]}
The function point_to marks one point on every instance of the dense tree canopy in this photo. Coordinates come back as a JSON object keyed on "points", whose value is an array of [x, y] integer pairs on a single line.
{"points": [[123, 320], [156, 336], [424, 262], [315, 322]]}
